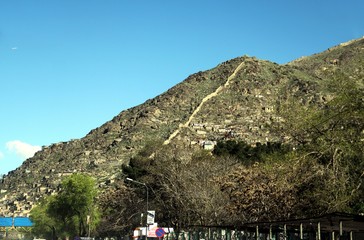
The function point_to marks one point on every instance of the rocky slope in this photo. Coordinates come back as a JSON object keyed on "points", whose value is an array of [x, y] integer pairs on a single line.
{"points": [[234, 100]]}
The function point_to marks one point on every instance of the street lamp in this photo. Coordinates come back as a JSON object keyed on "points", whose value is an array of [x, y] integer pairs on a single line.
{"points": [[146, 187]]}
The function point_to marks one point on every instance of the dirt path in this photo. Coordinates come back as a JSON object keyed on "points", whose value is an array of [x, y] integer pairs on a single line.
{"points": [[208, 97]]}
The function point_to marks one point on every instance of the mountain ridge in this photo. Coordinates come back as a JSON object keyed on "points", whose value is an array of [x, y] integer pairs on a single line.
{"points": [[234, 100]]}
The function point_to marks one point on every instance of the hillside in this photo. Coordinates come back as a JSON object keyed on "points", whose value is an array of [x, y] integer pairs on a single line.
{"points": [[234, 100]]}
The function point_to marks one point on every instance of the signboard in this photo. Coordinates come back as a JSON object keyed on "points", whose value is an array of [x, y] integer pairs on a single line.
{"points": [[153, 231], [150, 217], [159, 232]]}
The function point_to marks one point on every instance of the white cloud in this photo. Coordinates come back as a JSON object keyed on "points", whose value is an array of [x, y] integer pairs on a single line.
{"points": [[22, 149]]}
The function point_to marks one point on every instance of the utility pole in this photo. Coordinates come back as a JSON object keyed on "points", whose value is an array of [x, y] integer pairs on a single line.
{"points": [[146, 188]]}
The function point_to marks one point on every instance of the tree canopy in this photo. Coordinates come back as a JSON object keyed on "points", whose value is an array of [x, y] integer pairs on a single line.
{"points": [[72, 212]]}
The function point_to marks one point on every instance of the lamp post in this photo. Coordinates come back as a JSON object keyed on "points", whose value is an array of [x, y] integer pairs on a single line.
{"points": [[146, 187]]}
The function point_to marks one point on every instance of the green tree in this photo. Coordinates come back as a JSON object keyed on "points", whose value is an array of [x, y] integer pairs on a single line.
{"points": [[248, 154], [73, 211], [45, 226]]}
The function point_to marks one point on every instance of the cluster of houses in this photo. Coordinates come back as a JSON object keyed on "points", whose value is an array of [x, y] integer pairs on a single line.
{"points": [[207, 134], [23, 202]]}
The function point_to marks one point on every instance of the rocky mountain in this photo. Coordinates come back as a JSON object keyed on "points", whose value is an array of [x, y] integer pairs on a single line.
{"points": [[234, 100]]}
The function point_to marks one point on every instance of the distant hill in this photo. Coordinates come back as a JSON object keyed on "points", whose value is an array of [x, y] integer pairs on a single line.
{"points": [[234, 100]]}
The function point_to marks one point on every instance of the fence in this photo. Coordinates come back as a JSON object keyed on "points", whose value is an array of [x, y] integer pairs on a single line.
{"points": [[332, 226], [251, 234], [216, 234]]}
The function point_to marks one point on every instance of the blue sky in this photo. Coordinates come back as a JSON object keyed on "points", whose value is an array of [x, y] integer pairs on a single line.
{"points": [[67, 67]]}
